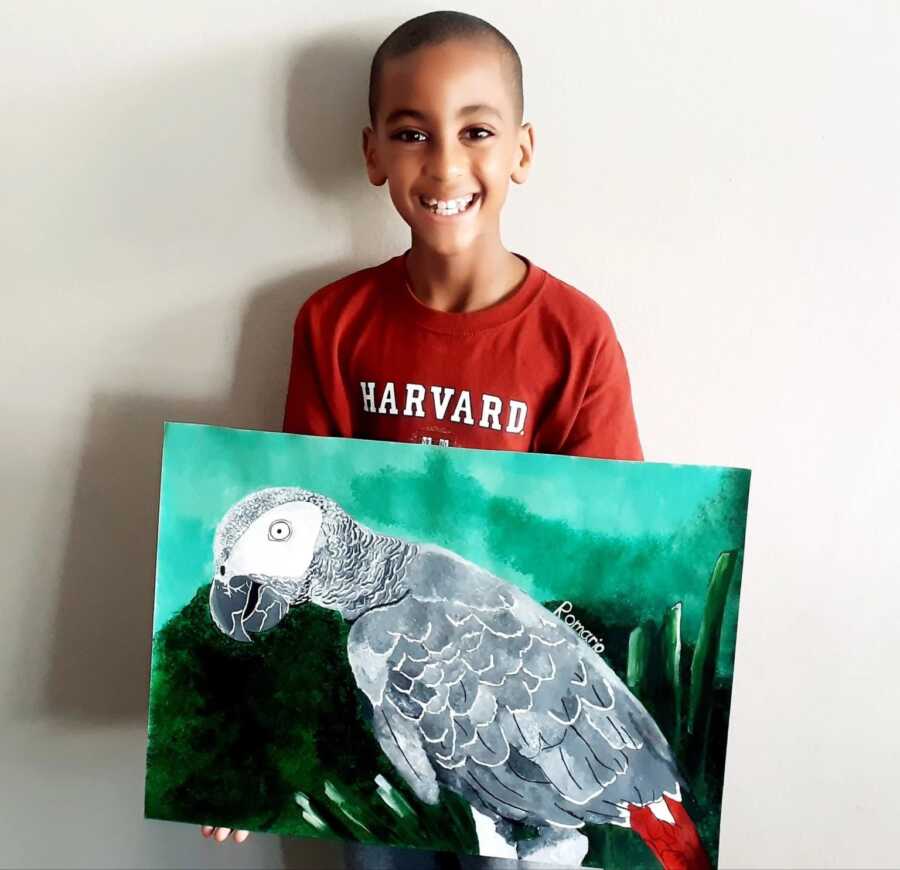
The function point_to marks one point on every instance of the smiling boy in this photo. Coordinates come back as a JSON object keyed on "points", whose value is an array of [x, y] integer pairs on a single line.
{"points": [[458, 341]]}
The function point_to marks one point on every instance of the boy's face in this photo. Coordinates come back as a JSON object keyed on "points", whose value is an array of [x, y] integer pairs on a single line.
{"points": [[447, 130]]}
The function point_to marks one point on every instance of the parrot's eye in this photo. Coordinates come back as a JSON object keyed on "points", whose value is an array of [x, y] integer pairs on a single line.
{"points": [[280, 530], [222, 570]]}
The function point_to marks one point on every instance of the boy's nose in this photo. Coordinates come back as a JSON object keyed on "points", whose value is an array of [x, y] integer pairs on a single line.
{"points": [[445, 164]]}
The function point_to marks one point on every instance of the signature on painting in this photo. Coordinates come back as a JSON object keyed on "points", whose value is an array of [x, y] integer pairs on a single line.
{"points": [[564, 612]]}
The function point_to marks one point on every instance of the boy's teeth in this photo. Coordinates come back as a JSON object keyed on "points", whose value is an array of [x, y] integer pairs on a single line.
{"points": [[449, 206]]}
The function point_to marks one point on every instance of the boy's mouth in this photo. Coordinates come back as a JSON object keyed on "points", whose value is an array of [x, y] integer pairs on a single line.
{"points": [[449, 207]]}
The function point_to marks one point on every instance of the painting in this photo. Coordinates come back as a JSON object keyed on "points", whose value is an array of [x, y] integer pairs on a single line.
{"points": [[508, 654]]}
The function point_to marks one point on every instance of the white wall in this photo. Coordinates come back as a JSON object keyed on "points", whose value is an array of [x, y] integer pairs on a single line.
{"points": [[177, 177]]}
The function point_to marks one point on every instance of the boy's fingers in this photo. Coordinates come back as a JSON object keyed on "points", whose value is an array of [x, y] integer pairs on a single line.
{"points": [[220, 835]]}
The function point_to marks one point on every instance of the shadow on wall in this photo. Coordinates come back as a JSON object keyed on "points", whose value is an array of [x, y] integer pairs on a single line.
{"points": [[100, 660], [100, 665]]}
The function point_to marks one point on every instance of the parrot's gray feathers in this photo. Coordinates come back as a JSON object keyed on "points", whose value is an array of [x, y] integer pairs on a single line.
{"points": [[354, 568], [403, 746], [505, 703]]}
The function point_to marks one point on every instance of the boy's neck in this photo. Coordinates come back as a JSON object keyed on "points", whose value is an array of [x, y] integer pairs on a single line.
{"points": [[477, 278]]}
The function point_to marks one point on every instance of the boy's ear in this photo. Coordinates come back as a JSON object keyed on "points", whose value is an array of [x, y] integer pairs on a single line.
{"points": [[524, 156], [370, 153]]}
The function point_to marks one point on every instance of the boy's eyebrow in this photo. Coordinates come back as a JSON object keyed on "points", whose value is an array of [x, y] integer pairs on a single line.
{"points": [[415, 114]]}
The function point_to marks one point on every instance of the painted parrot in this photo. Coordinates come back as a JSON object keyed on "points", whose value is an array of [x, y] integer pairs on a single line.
{"points": [[474, 686]]}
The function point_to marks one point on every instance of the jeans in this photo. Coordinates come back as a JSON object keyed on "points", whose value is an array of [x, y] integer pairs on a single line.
{"points": [[360, 857]]}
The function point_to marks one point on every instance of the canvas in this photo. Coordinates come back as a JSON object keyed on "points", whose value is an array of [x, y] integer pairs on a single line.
{"points": [[510, 654]]}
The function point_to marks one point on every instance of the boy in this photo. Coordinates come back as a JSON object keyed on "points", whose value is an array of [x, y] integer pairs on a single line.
{"points": [[457, 342]]}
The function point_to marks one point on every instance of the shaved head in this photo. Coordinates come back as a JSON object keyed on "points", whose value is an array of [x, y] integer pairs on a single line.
{"points": [[435, 28]]}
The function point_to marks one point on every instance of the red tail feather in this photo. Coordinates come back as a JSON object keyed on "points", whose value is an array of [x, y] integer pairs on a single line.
{"points": [[676, 846]]}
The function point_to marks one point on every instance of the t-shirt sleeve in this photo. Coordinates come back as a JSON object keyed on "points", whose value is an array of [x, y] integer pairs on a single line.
{"points": [[605, 426], [306, 411]]}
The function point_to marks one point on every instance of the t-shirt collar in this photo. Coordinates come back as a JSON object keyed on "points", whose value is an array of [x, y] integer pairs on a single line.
{"points": [[467, 321]]}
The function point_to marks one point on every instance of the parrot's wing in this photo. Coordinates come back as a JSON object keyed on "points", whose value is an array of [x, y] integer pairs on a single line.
{"points": [[588, 734], [370, 654], [402, 743], [510, 702]]}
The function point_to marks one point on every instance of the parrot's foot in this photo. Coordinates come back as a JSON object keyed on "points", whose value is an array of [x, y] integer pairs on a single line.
{"points": [[555, 846]]}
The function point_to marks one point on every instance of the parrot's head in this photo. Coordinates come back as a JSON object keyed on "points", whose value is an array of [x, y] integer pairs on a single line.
{"points": [[286, 546], [262, 552]]}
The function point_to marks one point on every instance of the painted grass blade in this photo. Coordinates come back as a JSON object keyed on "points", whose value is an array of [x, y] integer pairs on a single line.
{"points": [[703, 665], [640, 642], [670, 644]]}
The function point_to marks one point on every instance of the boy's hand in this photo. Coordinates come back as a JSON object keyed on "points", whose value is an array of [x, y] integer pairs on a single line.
{"points": [[220, 835]]}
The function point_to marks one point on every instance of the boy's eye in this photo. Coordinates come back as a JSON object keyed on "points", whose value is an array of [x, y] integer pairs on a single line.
{"points": [[403, 135], [408, 136], [479, 132]]}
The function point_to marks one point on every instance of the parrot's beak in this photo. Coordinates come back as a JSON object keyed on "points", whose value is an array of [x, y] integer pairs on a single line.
{"points": [[241, 605]]}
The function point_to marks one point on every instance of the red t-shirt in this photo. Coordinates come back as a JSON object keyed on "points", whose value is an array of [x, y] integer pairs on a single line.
{"points": [[541, 371]]}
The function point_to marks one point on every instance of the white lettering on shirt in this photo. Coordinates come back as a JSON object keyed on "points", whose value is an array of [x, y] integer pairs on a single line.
{"points": [[463, 406], [518, 411], [434, 401], [490, 411], [415, 394], [442, 442], [388, 400], [368, 393], [442, 397]]}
